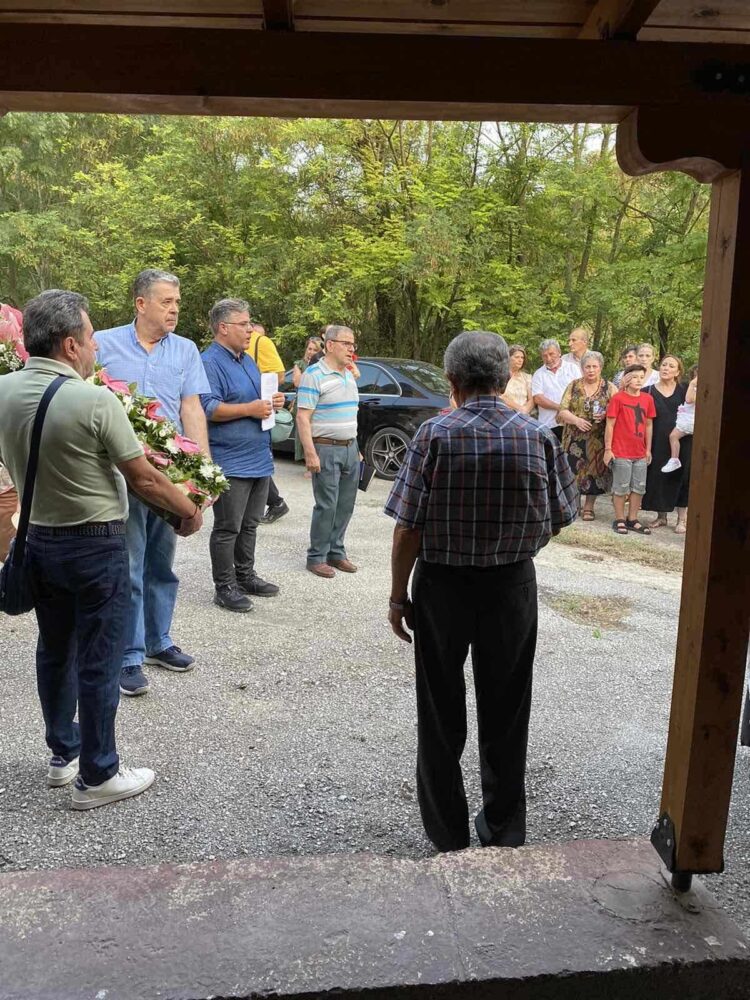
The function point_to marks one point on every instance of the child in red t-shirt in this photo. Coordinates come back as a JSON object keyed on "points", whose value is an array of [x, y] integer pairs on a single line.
{"points": [[627, 446]]}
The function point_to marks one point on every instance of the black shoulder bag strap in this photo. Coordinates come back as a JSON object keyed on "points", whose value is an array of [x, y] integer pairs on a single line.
{"points": [[257, 342], [31, 467]]}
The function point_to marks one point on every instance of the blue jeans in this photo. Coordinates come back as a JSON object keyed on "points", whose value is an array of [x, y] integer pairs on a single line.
{"points": [[335, 491], [81, 589], [153, 584]]}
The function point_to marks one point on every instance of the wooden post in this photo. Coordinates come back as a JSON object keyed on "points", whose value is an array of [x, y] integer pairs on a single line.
{"points": [[715, 606]]}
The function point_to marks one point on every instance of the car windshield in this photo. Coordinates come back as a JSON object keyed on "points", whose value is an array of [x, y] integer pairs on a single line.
{"points": [[426, 375]]}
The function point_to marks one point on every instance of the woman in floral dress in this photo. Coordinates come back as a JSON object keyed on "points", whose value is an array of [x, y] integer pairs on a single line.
{"points": [[583, 410]]}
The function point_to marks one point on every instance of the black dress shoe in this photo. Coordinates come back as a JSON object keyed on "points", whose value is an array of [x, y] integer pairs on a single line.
{"points": [[232, 598], [274, 513], [257, 587]]}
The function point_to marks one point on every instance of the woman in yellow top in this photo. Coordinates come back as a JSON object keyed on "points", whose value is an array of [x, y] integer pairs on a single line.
{"points": [[518, 390]]}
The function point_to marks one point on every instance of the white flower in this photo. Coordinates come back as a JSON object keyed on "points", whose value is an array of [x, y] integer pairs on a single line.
{"points": [[171, 446]]}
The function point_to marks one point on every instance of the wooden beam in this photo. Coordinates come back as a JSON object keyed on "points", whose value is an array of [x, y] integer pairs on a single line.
{"points": [[715, 604], [618, 19], [278, 70], [715, 607], [278, 15]]}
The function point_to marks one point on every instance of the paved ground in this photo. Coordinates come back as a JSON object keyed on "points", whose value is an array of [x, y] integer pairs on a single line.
{"points": [[296, 732]]}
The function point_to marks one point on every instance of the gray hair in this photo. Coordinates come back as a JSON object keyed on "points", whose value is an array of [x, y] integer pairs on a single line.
{"points": [[595, 355], [549, 342], [582, 329], [51, 317], [146, 280], [477, 361], [223, 309], [332, 332]]}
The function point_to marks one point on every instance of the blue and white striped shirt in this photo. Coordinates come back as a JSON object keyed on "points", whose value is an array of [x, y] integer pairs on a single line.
{"points": [[334, 399], [171, 371]]}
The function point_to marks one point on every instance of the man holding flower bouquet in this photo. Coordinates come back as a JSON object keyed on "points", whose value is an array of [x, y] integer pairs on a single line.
{"points": [[242, 448], [76, 553], [168, 368]]}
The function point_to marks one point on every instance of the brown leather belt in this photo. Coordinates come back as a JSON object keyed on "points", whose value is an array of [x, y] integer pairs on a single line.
{"points": [[334, 441]]}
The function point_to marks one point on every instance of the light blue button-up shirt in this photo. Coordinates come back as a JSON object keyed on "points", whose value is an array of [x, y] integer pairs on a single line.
{"points": [[171, 371]]}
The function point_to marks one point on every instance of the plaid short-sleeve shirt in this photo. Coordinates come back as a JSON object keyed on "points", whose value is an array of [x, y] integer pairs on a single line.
{"points": [[485, 484]]}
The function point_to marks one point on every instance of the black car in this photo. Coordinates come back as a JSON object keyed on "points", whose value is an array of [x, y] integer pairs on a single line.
{"points": [[395, 396]]}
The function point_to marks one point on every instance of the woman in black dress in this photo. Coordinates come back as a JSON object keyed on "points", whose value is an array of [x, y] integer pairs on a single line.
{"points": [[666, 491]]}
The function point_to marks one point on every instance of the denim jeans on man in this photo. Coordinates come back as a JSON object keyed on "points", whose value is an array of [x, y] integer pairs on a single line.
{"points": [[153, 583], [81, 588], [237, 514], [335, 490]]}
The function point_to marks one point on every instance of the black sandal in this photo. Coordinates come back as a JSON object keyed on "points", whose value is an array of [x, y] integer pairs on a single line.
{"points": [[620, 527], [637, 527]]}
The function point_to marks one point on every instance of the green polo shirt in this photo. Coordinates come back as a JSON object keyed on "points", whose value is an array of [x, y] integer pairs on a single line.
{"points": [[86, 431]]}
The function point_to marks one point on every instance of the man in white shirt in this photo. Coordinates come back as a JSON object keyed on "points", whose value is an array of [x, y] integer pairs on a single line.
{"points": [[549, 382], [578, 342]]}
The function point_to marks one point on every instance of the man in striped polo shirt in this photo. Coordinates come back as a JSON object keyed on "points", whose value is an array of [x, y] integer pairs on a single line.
{"points": [[327, 404]]}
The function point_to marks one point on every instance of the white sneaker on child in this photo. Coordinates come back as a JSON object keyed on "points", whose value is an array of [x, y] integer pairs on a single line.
{"points": [[672, 465]]}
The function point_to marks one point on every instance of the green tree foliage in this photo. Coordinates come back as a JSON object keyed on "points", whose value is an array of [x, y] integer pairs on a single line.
{"points": [[407, 231]]}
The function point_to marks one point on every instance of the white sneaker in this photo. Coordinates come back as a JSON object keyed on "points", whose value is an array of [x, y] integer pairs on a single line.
{"points": [[672, 465], [61, 772], [128, 781]]}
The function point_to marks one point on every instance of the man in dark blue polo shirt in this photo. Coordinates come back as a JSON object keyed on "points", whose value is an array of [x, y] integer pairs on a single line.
{"points": [[242, 448]]}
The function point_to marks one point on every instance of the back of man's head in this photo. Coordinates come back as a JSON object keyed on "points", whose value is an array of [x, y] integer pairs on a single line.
{"points": [[51, 317], [477, 362]]}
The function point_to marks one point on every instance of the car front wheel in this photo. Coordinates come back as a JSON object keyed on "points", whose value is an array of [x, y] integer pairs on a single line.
{"points": [[386, 451]]}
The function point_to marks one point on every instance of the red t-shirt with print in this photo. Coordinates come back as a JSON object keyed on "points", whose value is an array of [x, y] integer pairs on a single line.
{"points": [[631, 414]]}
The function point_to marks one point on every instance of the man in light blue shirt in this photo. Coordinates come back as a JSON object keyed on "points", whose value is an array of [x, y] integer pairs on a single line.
{"points": [[239, 444], [327, 405], [167, 367]]}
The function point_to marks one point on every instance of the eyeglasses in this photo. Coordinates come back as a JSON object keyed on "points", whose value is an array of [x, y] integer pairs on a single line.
{"points": [[246, 323], [346, 343]]}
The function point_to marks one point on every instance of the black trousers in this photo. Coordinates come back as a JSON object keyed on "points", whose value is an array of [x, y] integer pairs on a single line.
{"points": [[274, 500], [493, 613], [237, 514]]}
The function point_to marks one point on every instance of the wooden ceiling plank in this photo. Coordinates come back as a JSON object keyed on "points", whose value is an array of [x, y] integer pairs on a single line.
{"points": [[295, 66], [225, 21], [207, 8], [618, 18], [691, 35], [719, 14], [439, 28], [550, 12], [278, 15]]}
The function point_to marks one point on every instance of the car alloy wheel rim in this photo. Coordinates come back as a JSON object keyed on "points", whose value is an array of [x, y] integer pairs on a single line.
{"points": [[388, 454]]}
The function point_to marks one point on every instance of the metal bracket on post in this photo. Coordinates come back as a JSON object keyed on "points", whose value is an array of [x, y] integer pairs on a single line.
{"points": [[665, 844]]}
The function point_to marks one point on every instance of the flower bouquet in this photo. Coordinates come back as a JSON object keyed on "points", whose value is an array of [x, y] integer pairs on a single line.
{"points": [[13, 354], [178, 457]]}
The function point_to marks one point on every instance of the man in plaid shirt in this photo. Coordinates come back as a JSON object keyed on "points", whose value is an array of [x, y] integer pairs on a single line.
{"points": [[482, 490]]}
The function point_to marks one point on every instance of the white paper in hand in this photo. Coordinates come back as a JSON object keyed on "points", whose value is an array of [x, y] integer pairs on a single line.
{"points": [[269, 384]]}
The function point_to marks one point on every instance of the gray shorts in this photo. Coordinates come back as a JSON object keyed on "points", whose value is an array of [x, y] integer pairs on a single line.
{"points": [[628, 476]]}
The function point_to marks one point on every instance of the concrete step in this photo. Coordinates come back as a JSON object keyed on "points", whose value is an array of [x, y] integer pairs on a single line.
{"points": [[590, 920]]}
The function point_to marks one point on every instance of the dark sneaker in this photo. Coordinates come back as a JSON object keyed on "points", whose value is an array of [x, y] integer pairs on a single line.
{"points": [[232, 598], [274, 513], [133, 681], [257, 587], [172, 658], [61, 771]]}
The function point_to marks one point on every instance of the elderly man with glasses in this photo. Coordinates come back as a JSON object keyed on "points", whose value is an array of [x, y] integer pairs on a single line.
{"points": [[327, 404]]}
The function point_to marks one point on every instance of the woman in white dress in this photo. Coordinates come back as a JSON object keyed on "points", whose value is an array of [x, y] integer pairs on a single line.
{"points": [[518, 390]]}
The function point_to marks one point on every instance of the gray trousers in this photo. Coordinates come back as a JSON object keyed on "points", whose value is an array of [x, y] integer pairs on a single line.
{"points": [[236, 516], [335, 490]]}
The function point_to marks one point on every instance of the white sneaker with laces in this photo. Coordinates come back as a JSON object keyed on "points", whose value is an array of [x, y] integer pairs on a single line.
{"points": [[672, 465], [128, 781], [61, 772]]}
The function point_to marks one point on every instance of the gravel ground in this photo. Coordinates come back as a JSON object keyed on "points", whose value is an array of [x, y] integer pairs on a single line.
{"points": [[295, 734]]}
